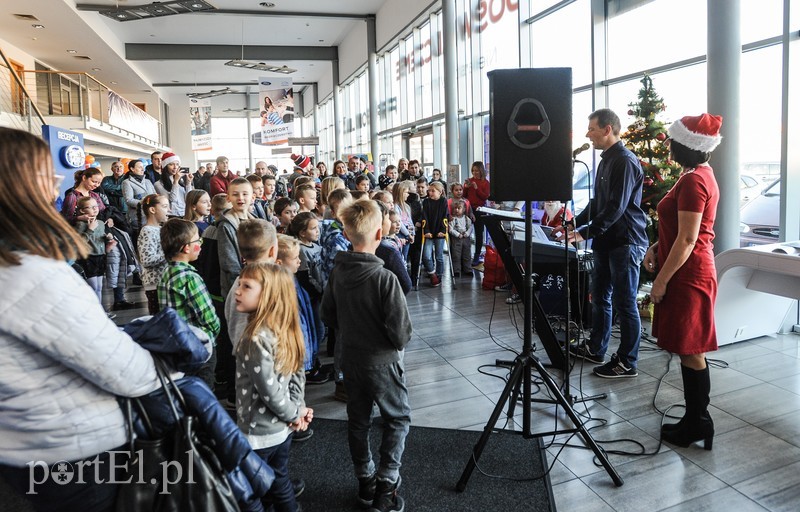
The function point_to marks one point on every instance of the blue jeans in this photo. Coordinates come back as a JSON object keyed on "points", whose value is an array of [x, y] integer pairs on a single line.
{"points": [[433, 245], [384, 385], [281, 494], [615, 281]]}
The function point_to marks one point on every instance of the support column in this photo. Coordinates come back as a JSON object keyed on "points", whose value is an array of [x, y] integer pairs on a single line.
{"points": [[790, 114], [372, 79], [724, 63], [315, 119], [337, 125], [450, 83]]}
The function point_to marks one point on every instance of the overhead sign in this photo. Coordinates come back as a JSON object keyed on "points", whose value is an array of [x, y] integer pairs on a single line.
{"points": [[304, 141], [277, 109], [282, 151]]}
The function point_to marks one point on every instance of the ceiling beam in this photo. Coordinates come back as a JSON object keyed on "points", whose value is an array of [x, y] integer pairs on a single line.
{"points": [[222, 84], [235, 12], [141, 51]]}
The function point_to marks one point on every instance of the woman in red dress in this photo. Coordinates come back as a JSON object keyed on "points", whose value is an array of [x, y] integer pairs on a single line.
{"points": [[476, 190], [685, 288]]}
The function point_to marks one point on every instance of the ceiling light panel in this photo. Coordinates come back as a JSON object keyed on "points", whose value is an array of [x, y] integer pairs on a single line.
{"points": [[157, 10]]}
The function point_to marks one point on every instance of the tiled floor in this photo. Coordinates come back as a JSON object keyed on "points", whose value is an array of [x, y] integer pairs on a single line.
{"points": [[755, 463]]}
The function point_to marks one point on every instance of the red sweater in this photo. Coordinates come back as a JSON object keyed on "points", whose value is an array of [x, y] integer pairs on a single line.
{"points": [[219, 183], [477, 196]]}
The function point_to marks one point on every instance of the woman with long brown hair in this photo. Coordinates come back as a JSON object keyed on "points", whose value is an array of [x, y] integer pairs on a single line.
{"points": [[86, 181], [63, 361]]}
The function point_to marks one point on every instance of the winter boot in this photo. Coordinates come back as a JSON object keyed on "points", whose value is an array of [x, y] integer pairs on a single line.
{"points": [[386, 498], [366, 490], [696, 424]]}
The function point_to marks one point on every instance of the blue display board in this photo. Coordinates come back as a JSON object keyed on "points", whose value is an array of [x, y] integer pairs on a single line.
{"points": [[66, 149]]}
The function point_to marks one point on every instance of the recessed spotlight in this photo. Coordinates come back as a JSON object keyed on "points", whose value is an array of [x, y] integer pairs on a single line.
{"points": [[175, 81], [321, 40], [37, 26], [267, 5], [113, 83], [72, 51], [95, 69]]}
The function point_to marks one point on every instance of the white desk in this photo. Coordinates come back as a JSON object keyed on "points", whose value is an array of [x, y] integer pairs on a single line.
{"points": [[758, 288]]}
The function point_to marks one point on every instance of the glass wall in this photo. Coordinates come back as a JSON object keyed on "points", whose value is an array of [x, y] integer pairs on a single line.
{"points": [[608, 51]]}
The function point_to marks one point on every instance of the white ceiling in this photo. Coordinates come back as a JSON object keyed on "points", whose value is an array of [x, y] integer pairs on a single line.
{"points": [[103, 39]]}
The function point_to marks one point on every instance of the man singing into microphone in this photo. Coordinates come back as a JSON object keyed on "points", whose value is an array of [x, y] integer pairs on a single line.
{"points": [[616, 223]]}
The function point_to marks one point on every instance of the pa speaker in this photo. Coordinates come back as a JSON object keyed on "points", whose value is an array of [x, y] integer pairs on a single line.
{"points": [[530, 132]]}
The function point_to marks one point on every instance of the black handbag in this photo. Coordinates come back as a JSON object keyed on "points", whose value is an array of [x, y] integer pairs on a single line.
{"points": [[143, 478], [189, 476]]}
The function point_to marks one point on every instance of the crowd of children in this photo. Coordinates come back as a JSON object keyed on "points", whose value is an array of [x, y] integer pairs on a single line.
{"points": [[268, 270]]}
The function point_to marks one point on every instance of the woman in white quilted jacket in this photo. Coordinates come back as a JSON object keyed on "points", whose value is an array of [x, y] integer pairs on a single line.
{"points": [[62, 361]]}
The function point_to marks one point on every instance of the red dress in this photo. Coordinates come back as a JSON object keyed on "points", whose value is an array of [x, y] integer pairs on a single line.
{"points": [[684, 319]]}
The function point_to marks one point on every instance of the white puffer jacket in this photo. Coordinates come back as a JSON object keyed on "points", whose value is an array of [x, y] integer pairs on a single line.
{"points": [[61, 363]]}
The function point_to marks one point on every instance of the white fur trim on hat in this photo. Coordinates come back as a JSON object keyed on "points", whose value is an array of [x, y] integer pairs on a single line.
{"points": [[693, 140], [170, 158]]}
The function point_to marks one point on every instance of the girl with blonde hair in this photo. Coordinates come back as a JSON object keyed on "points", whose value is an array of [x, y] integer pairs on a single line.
{"points": [[270, 378]]}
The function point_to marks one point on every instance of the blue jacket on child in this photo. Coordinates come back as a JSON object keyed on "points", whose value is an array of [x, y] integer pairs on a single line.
{"points": [[249, 476]]}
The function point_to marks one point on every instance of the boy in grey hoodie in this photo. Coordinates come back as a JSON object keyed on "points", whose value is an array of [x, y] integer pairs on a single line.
{"points": [[367, 306]]}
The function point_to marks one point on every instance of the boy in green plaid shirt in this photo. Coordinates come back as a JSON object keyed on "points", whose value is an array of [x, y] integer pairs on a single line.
{"points": [[182, 289]]}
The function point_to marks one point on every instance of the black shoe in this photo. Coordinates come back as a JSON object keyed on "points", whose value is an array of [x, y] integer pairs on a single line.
{"points": [[123, 304], [298, 486], [582, 352], [366, 490], [301, 436], [614, 369], [340, 393], [317, 376], [386, 498]]}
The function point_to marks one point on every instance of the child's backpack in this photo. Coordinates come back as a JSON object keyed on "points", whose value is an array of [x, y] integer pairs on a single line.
{"points": [[494, 273]]}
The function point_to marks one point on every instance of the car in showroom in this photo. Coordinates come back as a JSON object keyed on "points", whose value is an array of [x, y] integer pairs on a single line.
{"points": [[760, 217]]}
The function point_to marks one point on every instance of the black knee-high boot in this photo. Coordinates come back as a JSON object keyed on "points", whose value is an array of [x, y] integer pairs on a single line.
{"points": [[696, 424]]}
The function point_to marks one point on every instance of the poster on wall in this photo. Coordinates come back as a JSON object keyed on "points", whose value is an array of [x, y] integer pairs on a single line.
{"points": [[276, 104], [200, 121], [123, 113]]}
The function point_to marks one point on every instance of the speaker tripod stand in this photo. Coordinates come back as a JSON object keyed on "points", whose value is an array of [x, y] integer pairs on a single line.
{"points": [[521, 376]]}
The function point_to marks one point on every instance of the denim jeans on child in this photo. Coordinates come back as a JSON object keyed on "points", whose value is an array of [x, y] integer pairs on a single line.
{"points": [[431, 245], [385, 386], [615, 279], [281, 494]]}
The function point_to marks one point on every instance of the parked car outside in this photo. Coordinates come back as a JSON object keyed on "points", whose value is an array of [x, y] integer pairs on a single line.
{"points": [[749, 188], [760, 217]]}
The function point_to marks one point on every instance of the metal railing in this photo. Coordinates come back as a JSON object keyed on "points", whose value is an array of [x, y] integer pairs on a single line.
{"points": [[17, 108], [28, 97]]}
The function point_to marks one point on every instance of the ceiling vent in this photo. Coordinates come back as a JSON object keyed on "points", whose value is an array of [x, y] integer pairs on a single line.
{"points": [[26, 17]]}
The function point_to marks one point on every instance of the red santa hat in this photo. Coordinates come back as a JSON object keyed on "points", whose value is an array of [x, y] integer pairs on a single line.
{"points": [[301, 161], [700, 133], [169, 158]]}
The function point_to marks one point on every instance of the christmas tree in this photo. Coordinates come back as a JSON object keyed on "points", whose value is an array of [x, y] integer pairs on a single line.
{"points": [[645, 137]]}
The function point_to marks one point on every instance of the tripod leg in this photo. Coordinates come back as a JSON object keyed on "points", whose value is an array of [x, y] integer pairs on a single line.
{"points": [[513, 383], [579, 426]]}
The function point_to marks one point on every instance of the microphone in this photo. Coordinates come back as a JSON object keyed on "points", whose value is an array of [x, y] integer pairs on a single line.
{"points": [[580, 150]]}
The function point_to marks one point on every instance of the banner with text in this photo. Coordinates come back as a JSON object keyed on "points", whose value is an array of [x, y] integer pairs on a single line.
{"points": [[200, 119], [276, 101]]}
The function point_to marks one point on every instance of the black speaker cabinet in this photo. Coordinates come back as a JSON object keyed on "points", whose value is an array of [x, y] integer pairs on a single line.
{"points": [[530, 132]]}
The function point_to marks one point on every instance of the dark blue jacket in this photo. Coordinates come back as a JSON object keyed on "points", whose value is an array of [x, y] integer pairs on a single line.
{"points": [[614, 217], [308, 324], [393, 260], [249, 476]]}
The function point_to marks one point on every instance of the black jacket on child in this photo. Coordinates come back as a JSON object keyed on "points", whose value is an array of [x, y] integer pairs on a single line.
{"points": [[434, 214], [367, 306]]}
